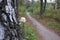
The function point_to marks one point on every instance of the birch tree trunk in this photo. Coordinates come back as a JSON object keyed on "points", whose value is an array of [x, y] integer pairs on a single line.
{"points": [[9, 27]]}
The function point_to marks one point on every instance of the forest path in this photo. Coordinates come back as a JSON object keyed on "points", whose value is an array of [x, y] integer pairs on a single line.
{"points": [[44, 32]]}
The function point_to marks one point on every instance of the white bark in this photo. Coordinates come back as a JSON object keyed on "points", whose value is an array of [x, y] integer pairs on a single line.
{"points": [[1, 32]]}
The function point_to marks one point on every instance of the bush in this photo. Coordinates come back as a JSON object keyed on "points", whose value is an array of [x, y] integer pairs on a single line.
{"points": [[50, 12], [21, 8]]}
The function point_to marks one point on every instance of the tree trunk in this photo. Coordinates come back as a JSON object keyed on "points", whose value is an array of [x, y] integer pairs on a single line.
{"points": [[8, 22], [32, 5], [45, 5], [41, 11]]}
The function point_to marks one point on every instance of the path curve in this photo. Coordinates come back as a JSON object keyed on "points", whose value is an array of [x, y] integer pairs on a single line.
{"points": [[44, 32]]}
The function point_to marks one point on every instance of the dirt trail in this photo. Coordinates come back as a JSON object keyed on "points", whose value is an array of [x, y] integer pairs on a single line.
{"points": [[44, 32]]}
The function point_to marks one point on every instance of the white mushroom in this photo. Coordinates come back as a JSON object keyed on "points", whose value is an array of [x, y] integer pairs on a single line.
{"points": [[22, 20]]}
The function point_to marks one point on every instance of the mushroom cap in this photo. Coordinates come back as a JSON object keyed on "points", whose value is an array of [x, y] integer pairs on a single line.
{"points": [[23, 19]]}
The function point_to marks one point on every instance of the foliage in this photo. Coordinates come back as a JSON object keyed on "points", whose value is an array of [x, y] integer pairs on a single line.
{"points": [[37, 8], [28, 4], [58, 4], [22, 8], [20, 2], [50, 12]]}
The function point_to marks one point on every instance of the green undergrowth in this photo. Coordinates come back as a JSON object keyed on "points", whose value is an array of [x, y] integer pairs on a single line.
{"points": [[53, 25], [30, 34], [21, 11]]}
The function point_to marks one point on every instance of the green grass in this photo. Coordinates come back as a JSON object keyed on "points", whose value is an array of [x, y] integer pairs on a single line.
{"points": [[54, 25], [30, 33]]}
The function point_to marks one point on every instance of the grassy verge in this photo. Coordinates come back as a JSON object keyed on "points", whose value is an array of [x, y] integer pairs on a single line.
{"points": [[52, 23], [30, 34]]}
